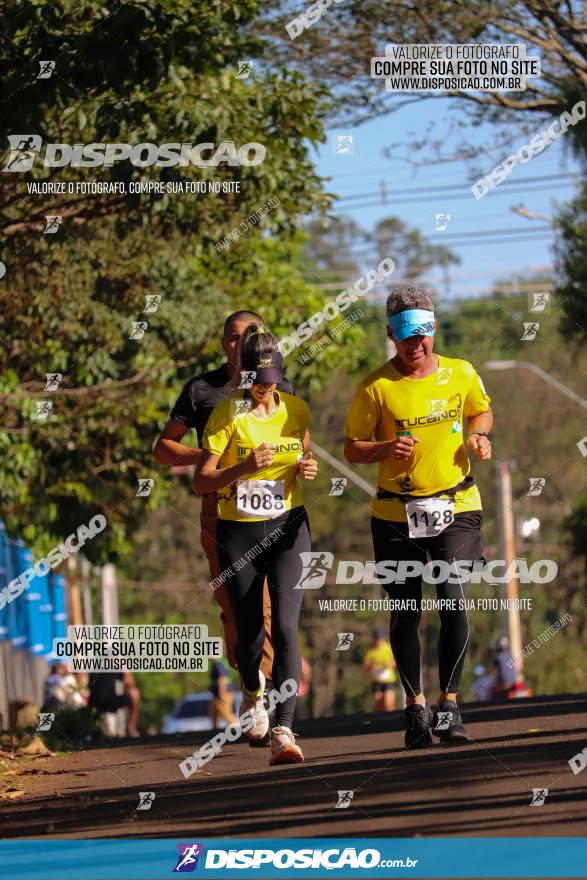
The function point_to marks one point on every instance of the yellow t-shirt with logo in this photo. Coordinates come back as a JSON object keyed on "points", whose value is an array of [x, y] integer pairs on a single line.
{"points": [[380, 660], [432, 409], [232, 432]]}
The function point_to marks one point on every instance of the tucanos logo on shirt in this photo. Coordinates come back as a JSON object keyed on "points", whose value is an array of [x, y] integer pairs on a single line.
{"points": [[293, 445], [441, 412]]}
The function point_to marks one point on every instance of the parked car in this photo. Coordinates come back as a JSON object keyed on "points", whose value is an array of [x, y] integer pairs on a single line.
{"points": [[191, 714]]}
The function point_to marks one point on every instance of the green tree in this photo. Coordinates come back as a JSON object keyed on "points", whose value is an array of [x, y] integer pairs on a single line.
{"points": [[571, 251], [336, 50], [69, 299]]}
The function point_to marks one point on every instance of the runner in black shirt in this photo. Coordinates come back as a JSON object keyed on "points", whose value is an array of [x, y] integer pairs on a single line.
{"points": [[192, 410]]}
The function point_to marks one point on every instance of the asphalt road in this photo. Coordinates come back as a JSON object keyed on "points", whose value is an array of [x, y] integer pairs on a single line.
{"points": [[482, 789]]}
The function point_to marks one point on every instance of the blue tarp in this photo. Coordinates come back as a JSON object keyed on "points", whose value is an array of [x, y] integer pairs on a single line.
{"points": [[32, 620], [18, 630]]}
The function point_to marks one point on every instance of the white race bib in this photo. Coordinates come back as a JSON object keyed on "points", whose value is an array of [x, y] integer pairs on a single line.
{"points": [[428, 517], [260, 498]]}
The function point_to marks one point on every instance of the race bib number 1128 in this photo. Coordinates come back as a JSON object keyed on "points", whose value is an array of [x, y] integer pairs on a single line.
{"points": [[428, 517]]}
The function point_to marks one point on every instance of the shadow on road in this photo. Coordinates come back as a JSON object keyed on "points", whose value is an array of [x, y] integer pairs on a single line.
{"points": [[481, 789]]}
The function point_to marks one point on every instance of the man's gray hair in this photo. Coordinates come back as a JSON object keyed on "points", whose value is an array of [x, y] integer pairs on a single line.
{"points": [[403, 298]]}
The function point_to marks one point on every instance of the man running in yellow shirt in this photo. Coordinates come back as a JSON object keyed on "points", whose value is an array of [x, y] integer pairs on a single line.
{"points": [[408, 416]]}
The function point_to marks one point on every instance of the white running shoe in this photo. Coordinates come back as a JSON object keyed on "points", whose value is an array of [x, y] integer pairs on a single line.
{"points": [[283, 747], [255, 709]]}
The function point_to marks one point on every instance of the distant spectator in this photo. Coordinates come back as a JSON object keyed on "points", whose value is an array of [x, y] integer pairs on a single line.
{"points": [[484, 685], [222, 702], [111, 691], [521, 690], [62, 690], [506, 673]]}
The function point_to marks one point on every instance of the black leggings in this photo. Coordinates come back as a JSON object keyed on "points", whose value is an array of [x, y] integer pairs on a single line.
{"points": [[460, 541], [249, 552]]}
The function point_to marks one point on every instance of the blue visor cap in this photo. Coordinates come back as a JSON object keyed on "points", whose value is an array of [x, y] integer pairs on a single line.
{"points": [[412, 322]]}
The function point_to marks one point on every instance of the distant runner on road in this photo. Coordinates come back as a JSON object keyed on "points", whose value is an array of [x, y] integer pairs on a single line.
{"points": [[408, 416], [378, 661]]}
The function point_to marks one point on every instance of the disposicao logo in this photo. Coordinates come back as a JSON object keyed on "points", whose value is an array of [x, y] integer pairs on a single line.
{"points": [[25, 147], [187, 858]]}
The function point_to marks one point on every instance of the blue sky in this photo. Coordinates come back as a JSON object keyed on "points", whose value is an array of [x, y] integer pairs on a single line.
{"points": [[482, 264]]}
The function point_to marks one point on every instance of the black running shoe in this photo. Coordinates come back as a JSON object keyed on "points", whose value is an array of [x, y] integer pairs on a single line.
{"points": [[418, 721], [448, 725]]}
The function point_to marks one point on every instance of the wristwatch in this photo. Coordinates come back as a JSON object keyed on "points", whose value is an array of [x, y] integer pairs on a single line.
{"points": [[481, 434]]}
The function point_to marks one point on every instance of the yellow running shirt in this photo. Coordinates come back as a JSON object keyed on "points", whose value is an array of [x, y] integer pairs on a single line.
{"points": [[232, 432], [381, 663], [432, 409]]}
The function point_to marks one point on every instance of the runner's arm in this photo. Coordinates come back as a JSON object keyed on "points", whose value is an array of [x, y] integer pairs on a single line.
{"points": [[307, 466], [169, 450], [477, 443], [369, 451], [480, 422], [210, 478]]}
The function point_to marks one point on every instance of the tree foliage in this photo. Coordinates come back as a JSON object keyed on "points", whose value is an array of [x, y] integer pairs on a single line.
{"points": [[133, 73], [337, 50], [571, 251]]}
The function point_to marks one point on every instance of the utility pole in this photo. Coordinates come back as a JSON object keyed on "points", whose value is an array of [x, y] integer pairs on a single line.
{"points": [[86, 595], [74, 593], [505, 489], [109, 595], [507, 547]]}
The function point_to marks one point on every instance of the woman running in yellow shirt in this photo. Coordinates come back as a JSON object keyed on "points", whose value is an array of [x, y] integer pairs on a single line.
{"points": [[256, 443]]}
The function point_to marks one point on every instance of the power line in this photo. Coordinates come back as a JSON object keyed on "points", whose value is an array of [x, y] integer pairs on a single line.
{"points": [[429, 282], [454, 240], [540, 237], [400, 165], [469, 276], [544, 227], [450, 197], [456, 186], [408, 280]]}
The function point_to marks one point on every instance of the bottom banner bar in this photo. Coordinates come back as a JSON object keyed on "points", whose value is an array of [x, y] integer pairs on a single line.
{"points": [[300, 857]]}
